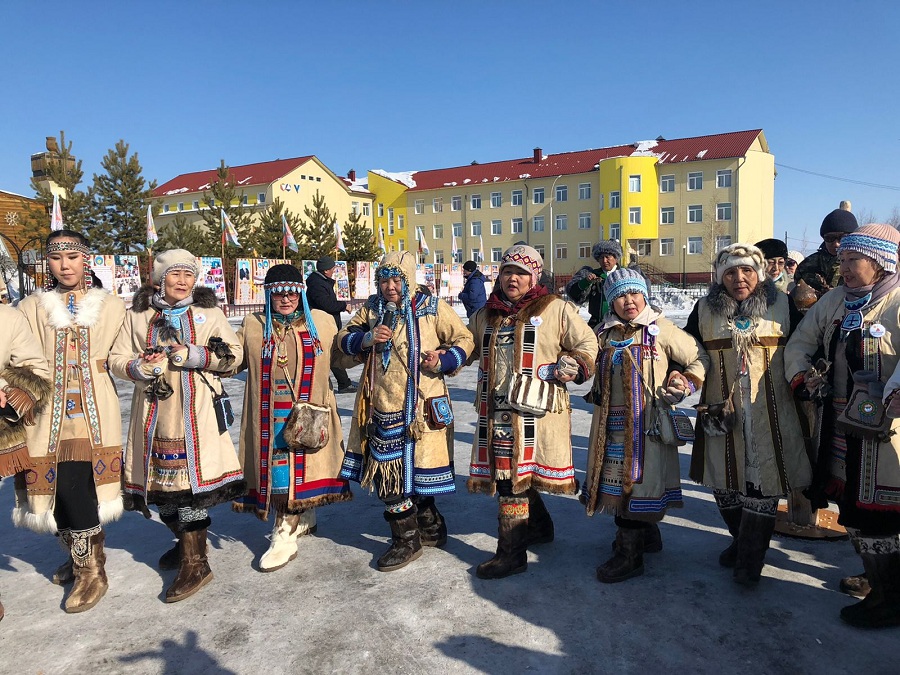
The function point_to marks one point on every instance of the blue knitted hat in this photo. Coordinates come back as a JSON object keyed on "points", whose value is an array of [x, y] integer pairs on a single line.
{"points": [[624, 280], [878, 242]]}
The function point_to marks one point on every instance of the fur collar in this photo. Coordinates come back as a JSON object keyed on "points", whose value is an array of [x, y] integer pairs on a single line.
{"points": [[204, 298], [756, 306], [533, 308], [87, 311]]}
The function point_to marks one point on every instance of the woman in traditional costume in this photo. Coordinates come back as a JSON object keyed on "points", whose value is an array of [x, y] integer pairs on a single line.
{"points": [[633, 471], [288, 352], [751, 449], [74, 486], [401, 436], [529, 344], [858, 464], [179, 456]]}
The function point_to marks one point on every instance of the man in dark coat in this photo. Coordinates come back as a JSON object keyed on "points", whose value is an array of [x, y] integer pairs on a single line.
{"points": [[821, 270], [320, 295], [586, 285], [473, 295]]}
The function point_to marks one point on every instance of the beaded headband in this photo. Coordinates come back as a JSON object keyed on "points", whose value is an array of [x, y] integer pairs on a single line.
{"points": [[285, 287], [62, 246], [57, 246]]}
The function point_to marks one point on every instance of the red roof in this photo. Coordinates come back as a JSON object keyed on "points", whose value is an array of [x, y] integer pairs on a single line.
{"points": [[261, 173], [717, 146]]}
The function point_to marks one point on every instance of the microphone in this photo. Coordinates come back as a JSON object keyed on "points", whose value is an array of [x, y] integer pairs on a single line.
{"points": [[387, 319]]}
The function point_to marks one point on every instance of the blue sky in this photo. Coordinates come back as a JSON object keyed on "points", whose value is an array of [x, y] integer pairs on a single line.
{"points": [[406, 86]]}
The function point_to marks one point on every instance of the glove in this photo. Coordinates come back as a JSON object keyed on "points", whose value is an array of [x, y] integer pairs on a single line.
{"points": [[151, 370], [674, 392], [567, 366]]}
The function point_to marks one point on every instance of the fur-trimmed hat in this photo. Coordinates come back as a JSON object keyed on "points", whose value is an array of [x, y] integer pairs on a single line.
{"points": [[772, 248], [878, 242], [738, 255], [174, 259], [624, 280], [607, 247], [398, 264], [839, 220]]}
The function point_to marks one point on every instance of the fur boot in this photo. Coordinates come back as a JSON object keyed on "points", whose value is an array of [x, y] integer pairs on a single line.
{"points": [[628, 559], [881, 607], [193, 571], [754, 536], [513, 536], [171, 559], [65, 573], [856, 585], [432, 527], [88, 560], [288, 528], [540, 525], [732, 518], [652, 539], [406, 542]]}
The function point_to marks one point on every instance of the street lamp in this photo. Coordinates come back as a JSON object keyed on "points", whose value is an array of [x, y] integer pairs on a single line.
{"points": [[552, 223], [683, 269]]}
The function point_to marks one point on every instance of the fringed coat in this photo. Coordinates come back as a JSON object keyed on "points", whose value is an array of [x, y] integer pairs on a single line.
{"points": [[181, 430], [382, 450], [314, 479], [545, 329], [23, 367], [92, 330], [758, 326], [650, 471]]}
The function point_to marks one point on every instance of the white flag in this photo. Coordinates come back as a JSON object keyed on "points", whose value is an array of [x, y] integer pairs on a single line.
{"points": [[423, 247], [339, 240], [56, 221], [481, 249]]}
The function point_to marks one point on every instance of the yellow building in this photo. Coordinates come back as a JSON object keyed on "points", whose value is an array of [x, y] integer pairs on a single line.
{"points": [[672, 203], [293, 181], [390, 210]]}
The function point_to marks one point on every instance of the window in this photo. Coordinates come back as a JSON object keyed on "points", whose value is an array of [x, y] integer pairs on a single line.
{"points": [[634, 215], [667, 247], [303, 176], [496, 227], [538, 196], [438, 257], [562, 221], [401, 244], [722, 241], [476, 202], [516, 227], [615, 231], [244, 200], [437, 205], [458, 256], [212, 202], [695, 245], [399, 222], [537, 224], [420, 207], [614, 200], [380, 210], [457, 229], [391, 217], [584, 221], [354, 207], [195, 205], [476, 254], [667, 183], [695, 213], [667, 215], [476, 228], [496, 200], [584, 191], [366, 209], [516, 198], [165, 208], [390, 227], [584, 250], [456, 203], [438, 231], [181, 206], [695, 180], [318, 179], [562, 193], [601, 201], [496, 253], [540, 250], [261, 198], [634, 183], [723, 211], [643, 247], [562, 251], [723, 178]]}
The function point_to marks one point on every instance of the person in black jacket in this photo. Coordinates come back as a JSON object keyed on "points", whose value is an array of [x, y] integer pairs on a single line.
{"points": [[821, 270], [320, 295], [473, 296], [586, 285]]}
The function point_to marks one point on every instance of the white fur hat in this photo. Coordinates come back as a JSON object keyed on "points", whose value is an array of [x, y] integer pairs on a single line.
{"points": [[738, 255]]}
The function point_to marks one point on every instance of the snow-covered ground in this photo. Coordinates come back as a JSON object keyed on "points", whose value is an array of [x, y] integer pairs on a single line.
{"points": [[332, 611]]}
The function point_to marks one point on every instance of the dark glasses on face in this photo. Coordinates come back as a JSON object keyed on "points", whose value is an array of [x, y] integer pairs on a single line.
{"points": [[832, 238]]}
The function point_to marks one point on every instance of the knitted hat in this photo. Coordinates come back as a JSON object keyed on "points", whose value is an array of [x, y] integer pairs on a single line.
{"points": [[624, 280], [470, 266], [738, 255], [796, 256], [878, 242], [324, 263], [284, 278], [772, 248], [838, 220], [525, 258], [174, 259], [607, 247]]}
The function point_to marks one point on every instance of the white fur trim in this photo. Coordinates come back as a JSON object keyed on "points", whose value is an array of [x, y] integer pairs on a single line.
{"points": [[43, 523], [87, 313], [111, 511]]}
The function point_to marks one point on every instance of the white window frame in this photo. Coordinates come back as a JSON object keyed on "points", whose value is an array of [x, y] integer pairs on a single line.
{"points": [[496, 200], [584, 221], [391, 218], [562, 193], [401, 244], [437, 205], [195, 205], [615, 199], [584, 249], [496, 227], [366, 209], [380, 210], [181, 206], [695, 245], [437, 231], [667, 246], [457, 229], [722, 241], [561, 221], [515, 198], [644, 247], [354, 207], [634, 215], [666, 215], [584, 191], [724, 211], [695, 181], [400, 221], [615, 231], [516, 226], [540, 249], [439, 257], [476, 228], [261, 198], [456, 203], [562, 251], [667, 183], [723, 178], [537, 196], [535, 221], [420, 207], [475, 202], [634, 182], [695, 213], [600, 208], [496, 254]]}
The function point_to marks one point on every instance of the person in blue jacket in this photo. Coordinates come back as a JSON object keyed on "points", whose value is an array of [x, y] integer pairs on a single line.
{"points": [[473, 296]]}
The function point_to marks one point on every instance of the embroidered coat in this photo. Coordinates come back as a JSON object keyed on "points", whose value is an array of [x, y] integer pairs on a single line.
{"points": [[98, 318], [314, 475], [184, 424], [416, 459], [651, 475], [878, 487], [547, 328], [22, 366], [720, 461]]}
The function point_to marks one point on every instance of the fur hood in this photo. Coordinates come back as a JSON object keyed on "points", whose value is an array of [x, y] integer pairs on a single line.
{"points": [[87, 312], [756, 306], [204, 298]]}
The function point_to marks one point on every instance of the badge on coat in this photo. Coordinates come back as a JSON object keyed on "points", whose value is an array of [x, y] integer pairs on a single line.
{"points": [[536, 321], [653, 329], [199, 318], [876, 330]]}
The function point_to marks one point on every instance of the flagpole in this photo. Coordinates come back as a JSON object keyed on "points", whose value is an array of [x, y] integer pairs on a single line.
{"points": [[222, 218]]}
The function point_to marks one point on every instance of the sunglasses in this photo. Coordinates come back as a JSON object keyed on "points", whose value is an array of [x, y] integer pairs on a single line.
{"points": [[833, 238]]}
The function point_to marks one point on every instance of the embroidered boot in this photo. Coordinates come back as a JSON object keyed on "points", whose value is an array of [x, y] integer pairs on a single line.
{"points": [[88, 560], [652, 539], [432, 527], [881, 607], [732, 518], [193, 572], [857, 585], [65, 574], [752, 543], [628, 559], [171, 559], [512, 544], [540, 525], [288, 528], [406, 542]]}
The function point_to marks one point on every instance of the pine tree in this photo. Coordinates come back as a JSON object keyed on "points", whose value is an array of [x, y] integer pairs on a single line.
{"points": [[181, 233], [224, 195], [268, 236], [119, 199], [359, 240], [316, 231]]}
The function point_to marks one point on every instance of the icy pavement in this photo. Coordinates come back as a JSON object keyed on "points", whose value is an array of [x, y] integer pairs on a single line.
{"points": [[331, 611]]}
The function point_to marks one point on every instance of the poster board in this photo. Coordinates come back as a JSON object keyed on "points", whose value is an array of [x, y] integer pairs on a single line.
{"points": [[362, 285], [127, 277], [250, 274], [342, 279], [308, 267], [456, 280], [212, 276], [104, 266]]}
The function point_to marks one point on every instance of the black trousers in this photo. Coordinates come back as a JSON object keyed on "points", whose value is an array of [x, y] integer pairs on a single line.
{"points": [[76, 497]]}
